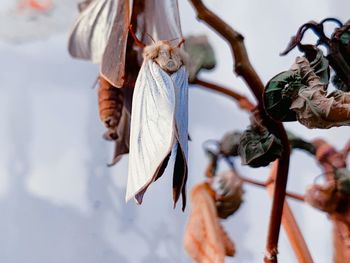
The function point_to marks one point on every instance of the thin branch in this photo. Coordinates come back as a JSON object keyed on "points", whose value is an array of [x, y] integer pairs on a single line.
{"points": [[346, 150], [265, 184], [291, 227], [254, 182], [243, 101], [244, 68], [295, 196]]}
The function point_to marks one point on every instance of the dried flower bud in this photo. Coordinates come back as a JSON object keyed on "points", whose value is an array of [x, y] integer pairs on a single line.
{"points": [[229, 193], [229, 143], [201, 55], [323, 197]]}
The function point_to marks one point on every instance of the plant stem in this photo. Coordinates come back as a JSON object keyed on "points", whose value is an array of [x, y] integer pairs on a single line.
{"points": [[243, 101], [291, 227], [244, 69], [267, 184]]}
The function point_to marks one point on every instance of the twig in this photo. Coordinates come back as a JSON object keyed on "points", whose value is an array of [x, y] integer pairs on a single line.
{"points": [[291, 227], [269, 182], [346, 150], [244, 68], [243, 101]]}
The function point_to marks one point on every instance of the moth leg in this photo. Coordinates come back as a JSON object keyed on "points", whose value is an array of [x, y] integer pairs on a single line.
{"points": [[181, 43], [138, 42]]}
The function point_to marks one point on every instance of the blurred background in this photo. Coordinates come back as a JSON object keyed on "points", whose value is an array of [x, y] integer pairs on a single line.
{"points": [[60, 203]]}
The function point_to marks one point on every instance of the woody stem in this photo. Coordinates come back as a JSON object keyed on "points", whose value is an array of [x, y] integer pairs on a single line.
{"points": [[243, 101], [244, 69]]}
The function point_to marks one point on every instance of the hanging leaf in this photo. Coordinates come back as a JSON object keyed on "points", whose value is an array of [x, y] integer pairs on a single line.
{"points": [[205, 240], [282, 89], [258, 147], [229, 143], [279, 93], [229, 193], [201, 55], [313, 106], [344, 48], [338, 50], [298, 143], [318, 62]]}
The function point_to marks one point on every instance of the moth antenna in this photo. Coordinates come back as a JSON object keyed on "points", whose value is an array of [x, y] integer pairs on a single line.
{"points": [[150, 37], [95, 82], [138, 42], [181, 43]]}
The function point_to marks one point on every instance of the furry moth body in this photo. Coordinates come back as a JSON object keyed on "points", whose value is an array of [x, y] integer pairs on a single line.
{"points": [[159, 121]]}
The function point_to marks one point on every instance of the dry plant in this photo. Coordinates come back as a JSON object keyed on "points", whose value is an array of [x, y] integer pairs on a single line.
{"points": [[116, 35]]}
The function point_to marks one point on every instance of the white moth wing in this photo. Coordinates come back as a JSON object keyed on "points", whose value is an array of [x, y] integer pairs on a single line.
{"points": [[92, 29], [181, 112], [113, 61], [157, 97], [162, 20]]}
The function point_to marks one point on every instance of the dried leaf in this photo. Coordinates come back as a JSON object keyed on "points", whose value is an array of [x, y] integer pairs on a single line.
{"points": [[258, 147], [229, 143], [298, 143], [313, 107], [282, 89], [323, 197], [318, 62], [205, 240], [341, 79], [278, 95], [229, 193], [201, 55]]}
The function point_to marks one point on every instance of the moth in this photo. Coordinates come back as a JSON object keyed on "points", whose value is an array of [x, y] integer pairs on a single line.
{"points": [[159, 120], [100, 35], [159, 108]]}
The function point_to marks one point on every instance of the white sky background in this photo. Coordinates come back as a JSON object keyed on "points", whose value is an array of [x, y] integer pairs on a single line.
{"points": [[58, 201]]}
